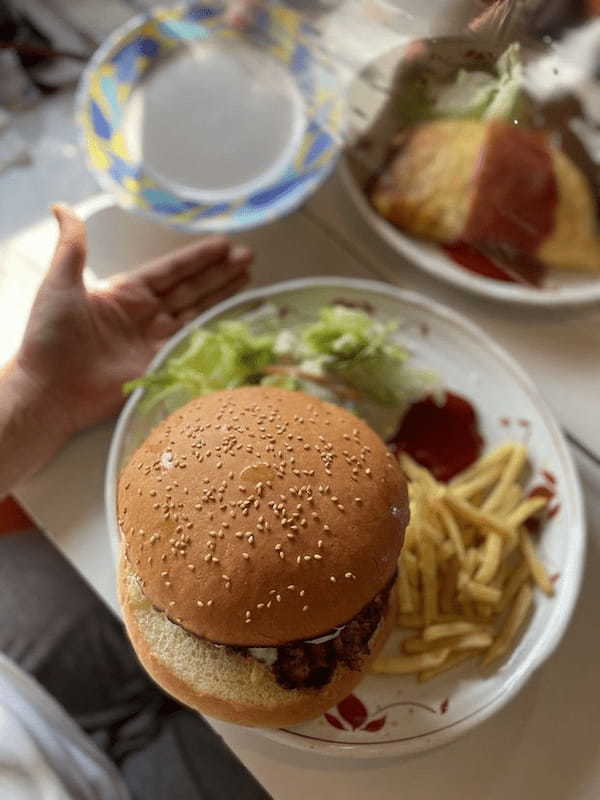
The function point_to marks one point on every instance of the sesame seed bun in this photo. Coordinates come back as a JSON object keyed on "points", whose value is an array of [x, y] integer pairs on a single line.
{"points": [[258, 516], [222, 683]]}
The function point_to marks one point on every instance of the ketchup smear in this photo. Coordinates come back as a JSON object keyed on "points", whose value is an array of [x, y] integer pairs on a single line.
{"points": [[526, 271], [443, 438], [513, 206]]}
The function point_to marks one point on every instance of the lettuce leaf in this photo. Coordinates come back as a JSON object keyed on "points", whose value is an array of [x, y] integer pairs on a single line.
{"points": [[344, 356], [471, 94]]}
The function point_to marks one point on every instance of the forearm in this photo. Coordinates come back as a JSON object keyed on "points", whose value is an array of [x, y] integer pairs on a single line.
{"points": [[32, 428]]}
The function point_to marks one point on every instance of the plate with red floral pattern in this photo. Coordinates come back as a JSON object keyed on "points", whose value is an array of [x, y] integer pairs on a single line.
{"points": [[396, 715]]}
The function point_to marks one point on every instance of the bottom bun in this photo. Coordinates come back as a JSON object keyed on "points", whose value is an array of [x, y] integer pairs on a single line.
{"points": [[221, 683]]}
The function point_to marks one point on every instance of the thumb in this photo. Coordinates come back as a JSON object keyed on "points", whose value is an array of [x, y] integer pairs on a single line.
{"points": [[70, 253]]}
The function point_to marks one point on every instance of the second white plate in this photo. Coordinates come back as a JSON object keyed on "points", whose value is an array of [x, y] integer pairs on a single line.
{"points": [[366, 97]]}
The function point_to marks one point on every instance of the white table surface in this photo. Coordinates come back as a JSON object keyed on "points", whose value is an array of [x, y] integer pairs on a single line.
{"points": [[546, 743]]}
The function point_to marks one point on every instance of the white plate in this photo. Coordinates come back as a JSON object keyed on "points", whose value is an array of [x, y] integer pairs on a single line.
{"points": [[366, 97], [418, 717]]}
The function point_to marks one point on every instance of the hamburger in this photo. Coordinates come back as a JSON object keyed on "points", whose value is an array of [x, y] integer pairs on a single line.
{"points": [[261, 530]]}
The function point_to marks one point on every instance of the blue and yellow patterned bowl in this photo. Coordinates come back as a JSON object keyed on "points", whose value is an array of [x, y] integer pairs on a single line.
{"points": [[127, 57]]}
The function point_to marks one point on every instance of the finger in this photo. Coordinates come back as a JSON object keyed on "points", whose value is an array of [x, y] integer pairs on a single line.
{"points": [[162, 274], [212, 299], [71, 250], [191, 291], [239, 15], [165, 325]]}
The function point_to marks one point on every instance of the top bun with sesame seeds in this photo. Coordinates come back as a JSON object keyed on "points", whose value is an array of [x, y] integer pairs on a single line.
{"points": [[257, 516]]}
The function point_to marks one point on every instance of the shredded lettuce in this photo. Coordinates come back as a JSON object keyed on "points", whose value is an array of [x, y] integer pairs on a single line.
{"points": [[471, 94], [227, 356], [344, 356]]}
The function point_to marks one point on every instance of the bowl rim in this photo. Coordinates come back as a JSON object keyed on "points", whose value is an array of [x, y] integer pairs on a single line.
{"points": [[549, 639], [209, 224]]}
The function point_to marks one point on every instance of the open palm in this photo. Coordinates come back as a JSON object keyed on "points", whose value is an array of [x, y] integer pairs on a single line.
{"points": [[81, 345]]}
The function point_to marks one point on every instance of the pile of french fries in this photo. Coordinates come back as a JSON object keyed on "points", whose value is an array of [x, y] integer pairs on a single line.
{"points": [[468, 568]]}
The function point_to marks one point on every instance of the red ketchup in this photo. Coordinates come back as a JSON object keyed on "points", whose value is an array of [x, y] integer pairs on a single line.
{"points": [[513, 206], [535, 521], [443, 438], [527, 271]]}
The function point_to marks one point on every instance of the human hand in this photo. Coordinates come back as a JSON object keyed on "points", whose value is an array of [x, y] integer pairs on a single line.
{"points": [[240, 12], [81, 344]]}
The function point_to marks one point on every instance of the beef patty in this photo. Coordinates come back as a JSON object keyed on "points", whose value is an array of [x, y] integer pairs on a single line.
{"points": [[302, 665]]}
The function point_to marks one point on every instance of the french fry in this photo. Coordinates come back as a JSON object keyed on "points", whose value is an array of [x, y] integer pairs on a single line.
{"points": [[497, 456], [537, 569], [477, 640], [482, 593], [405, 665], [453, 660], [448, 586], [525, 510], [515, 619], [433, 533], [479, 481], [484, 611], [414, 621], [417, 473], [411, 565], [510, 474], [490, 558], [453, 531], [446, 551], [468, 567], [443, 630], [429, 580], [472, 514], [406, 602], [515, 582], [512, 497]]}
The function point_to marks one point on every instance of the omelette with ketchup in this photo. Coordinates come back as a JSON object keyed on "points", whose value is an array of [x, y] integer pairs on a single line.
{"points": [[495, 186]]}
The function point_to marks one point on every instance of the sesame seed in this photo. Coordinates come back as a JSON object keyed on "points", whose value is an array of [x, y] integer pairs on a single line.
{"points": [[320, 543], [291, 586], [348, 575], [332, 578], [318, 557], [215, 560], [209, 602], [260, 605], [200, 603], [304, 608], [191, 567], [246, 556], [207, 557], [281, 555], [307, 558]]}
